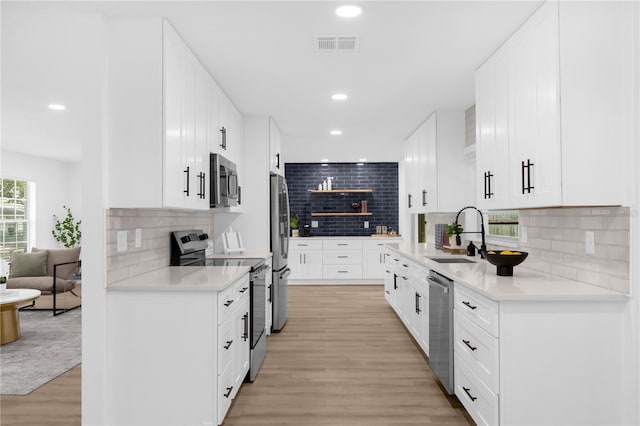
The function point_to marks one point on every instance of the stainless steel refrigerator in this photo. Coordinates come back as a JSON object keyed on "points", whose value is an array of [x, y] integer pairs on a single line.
{"points": [[280, 248]]}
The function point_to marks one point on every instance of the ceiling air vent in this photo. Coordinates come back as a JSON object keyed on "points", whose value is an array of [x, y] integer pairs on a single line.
{"points": [[337, 43]]}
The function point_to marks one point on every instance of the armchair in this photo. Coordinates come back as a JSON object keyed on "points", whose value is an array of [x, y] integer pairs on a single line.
{"points": [[55, 277]]}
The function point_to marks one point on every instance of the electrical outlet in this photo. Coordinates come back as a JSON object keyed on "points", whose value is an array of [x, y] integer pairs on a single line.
{"points": [[122, 241], [314, 223], [138, 237], [589, 242], [366, 224]]}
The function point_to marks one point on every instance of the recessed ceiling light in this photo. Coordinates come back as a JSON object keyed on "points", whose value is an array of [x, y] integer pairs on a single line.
{"points": [[349, 11], [57, 107], [339, 97], [324, 160], [363, 160], [336, 132]]}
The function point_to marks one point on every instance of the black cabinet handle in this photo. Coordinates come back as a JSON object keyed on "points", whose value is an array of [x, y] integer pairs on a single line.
{"points": [[228, 302], [469, 305], [223, 143], [418, 303], [527, 187], [487, 184], [489, 176], [395, 281], [186, 191], [239, 195], [409, 198], [270, 292], [243, 289], [226, 395], [228, 345], [424, 197], [468, 343], [467, 391], [404, 278], [277, 160]]}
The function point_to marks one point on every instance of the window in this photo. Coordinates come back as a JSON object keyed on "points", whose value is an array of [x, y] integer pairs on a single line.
{"points": [[504, 224], [15, 227]]}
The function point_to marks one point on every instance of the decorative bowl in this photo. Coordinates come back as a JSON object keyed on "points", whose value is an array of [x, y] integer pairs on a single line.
{"points": [[355, 206], [505, 260]]}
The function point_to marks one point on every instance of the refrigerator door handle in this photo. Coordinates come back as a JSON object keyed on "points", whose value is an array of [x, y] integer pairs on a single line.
{"points": [[285, 273]]}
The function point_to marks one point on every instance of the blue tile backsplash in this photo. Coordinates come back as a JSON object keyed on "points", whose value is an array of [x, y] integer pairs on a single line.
{"points": [[382, 202]]}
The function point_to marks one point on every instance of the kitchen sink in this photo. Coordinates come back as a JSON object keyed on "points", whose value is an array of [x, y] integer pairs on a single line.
{"points": [[450, 260]]}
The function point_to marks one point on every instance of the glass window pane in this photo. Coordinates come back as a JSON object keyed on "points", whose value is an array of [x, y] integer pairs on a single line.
{"points": [[14, 220]]}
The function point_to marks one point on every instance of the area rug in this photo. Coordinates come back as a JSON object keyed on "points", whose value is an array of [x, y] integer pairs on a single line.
{"points": [[49, 346]]}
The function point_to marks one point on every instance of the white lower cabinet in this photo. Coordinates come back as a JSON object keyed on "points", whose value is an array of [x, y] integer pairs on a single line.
{"points": [[529, 362], [305, 259], [408, 294], [268, 304], [176, 346], [318, 260]]}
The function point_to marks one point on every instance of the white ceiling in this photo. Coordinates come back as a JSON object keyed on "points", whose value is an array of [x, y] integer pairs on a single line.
{"points": [[414, 57]]}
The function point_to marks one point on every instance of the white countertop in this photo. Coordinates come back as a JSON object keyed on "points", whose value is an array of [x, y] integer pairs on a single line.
{"points": [[524, 285], [359, 237], [183, 278], [243, 255]]}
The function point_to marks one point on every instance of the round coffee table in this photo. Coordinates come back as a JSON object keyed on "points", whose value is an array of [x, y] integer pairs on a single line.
{"points": [[10, 301]]}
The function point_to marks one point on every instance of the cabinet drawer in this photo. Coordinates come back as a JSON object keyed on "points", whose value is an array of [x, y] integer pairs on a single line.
{"points": [[342, 257], [342, 272], [478, 349], [418, 274], [225, 392], [482, 311], [477, 398], [226, 344], [226, 302], [304, 244], [342, 245], [241, 287]]}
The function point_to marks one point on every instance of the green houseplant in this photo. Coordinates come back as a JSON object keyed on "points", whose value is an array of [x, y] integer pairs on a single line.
{"points": [[67, 232], [452, 229], [294, 221]]}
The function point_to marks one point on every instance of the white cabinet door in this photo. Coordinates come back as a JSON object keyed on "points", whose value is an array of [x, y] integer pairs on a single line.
{"points": [[534, 111], [176, 174], [275, 145], [492, 136], [305, 264], [428, 154], [598, 111]]}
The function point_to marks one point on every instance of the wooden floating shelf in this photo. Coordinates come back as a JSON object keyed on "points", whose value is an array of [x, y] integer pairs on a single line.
{"points": [[337, 191], [341, 214]]}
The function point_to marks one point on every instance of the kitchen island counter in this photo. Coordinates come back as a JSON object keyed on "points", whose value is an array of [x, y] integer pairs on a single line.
{"points": [[524, 285], [183, 278]]}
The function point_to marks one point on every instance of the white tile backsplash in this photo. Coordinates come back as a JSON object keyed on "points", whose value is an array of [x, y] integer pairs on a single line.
{"points": [[156, 227]]}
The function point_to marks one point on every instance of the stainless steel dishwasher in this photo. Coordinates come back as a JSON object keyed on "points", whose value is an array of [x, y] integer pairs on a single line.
{"points": [[441, 329]]}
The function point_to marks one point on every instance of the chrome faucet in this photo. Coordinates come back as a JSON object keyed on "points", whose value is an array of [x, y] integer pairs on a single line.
{"points": [[483, 247]]}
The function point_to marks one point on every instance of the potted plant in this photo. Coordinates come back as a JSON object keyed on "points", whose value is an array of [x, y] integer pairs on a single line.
{"points": [[294, 221], [67, 232], [454, 228]]}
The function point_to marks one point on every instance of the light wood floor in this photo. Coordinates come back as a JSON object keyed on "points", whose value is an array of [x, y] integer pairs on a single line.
{"points": [[56, 403], [344, 358]]}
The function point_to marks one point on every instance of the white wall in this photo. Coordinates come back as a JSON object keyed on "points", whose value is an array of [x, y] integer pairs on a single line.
{"points": [[58, 183]]}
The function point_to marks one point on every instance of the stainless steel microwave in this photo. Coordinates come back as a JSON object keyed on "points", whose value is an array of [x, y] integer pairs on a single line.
{"points": [[225, 191]]}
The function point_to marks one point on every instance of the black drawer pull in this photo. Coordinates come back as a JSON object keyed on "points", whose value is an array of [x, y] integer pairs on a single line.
{"points": [[469, 305], [228, 345], [243, 289], [343, 257], [467, 342], [466, 390], [228, 302], [226, 395]]}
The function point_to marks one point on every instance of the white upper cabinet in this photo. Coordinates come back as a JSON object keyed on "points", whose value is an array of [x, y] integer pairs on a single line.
{"points": [[598, 44], [569, 107], [276, 164], [492, 139], [434, 159], [534, 106]]}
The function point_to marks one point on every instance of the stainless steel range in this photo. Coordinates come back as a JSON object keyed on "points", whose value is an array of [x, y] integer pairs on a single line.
{"points": [[188, 249]]}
